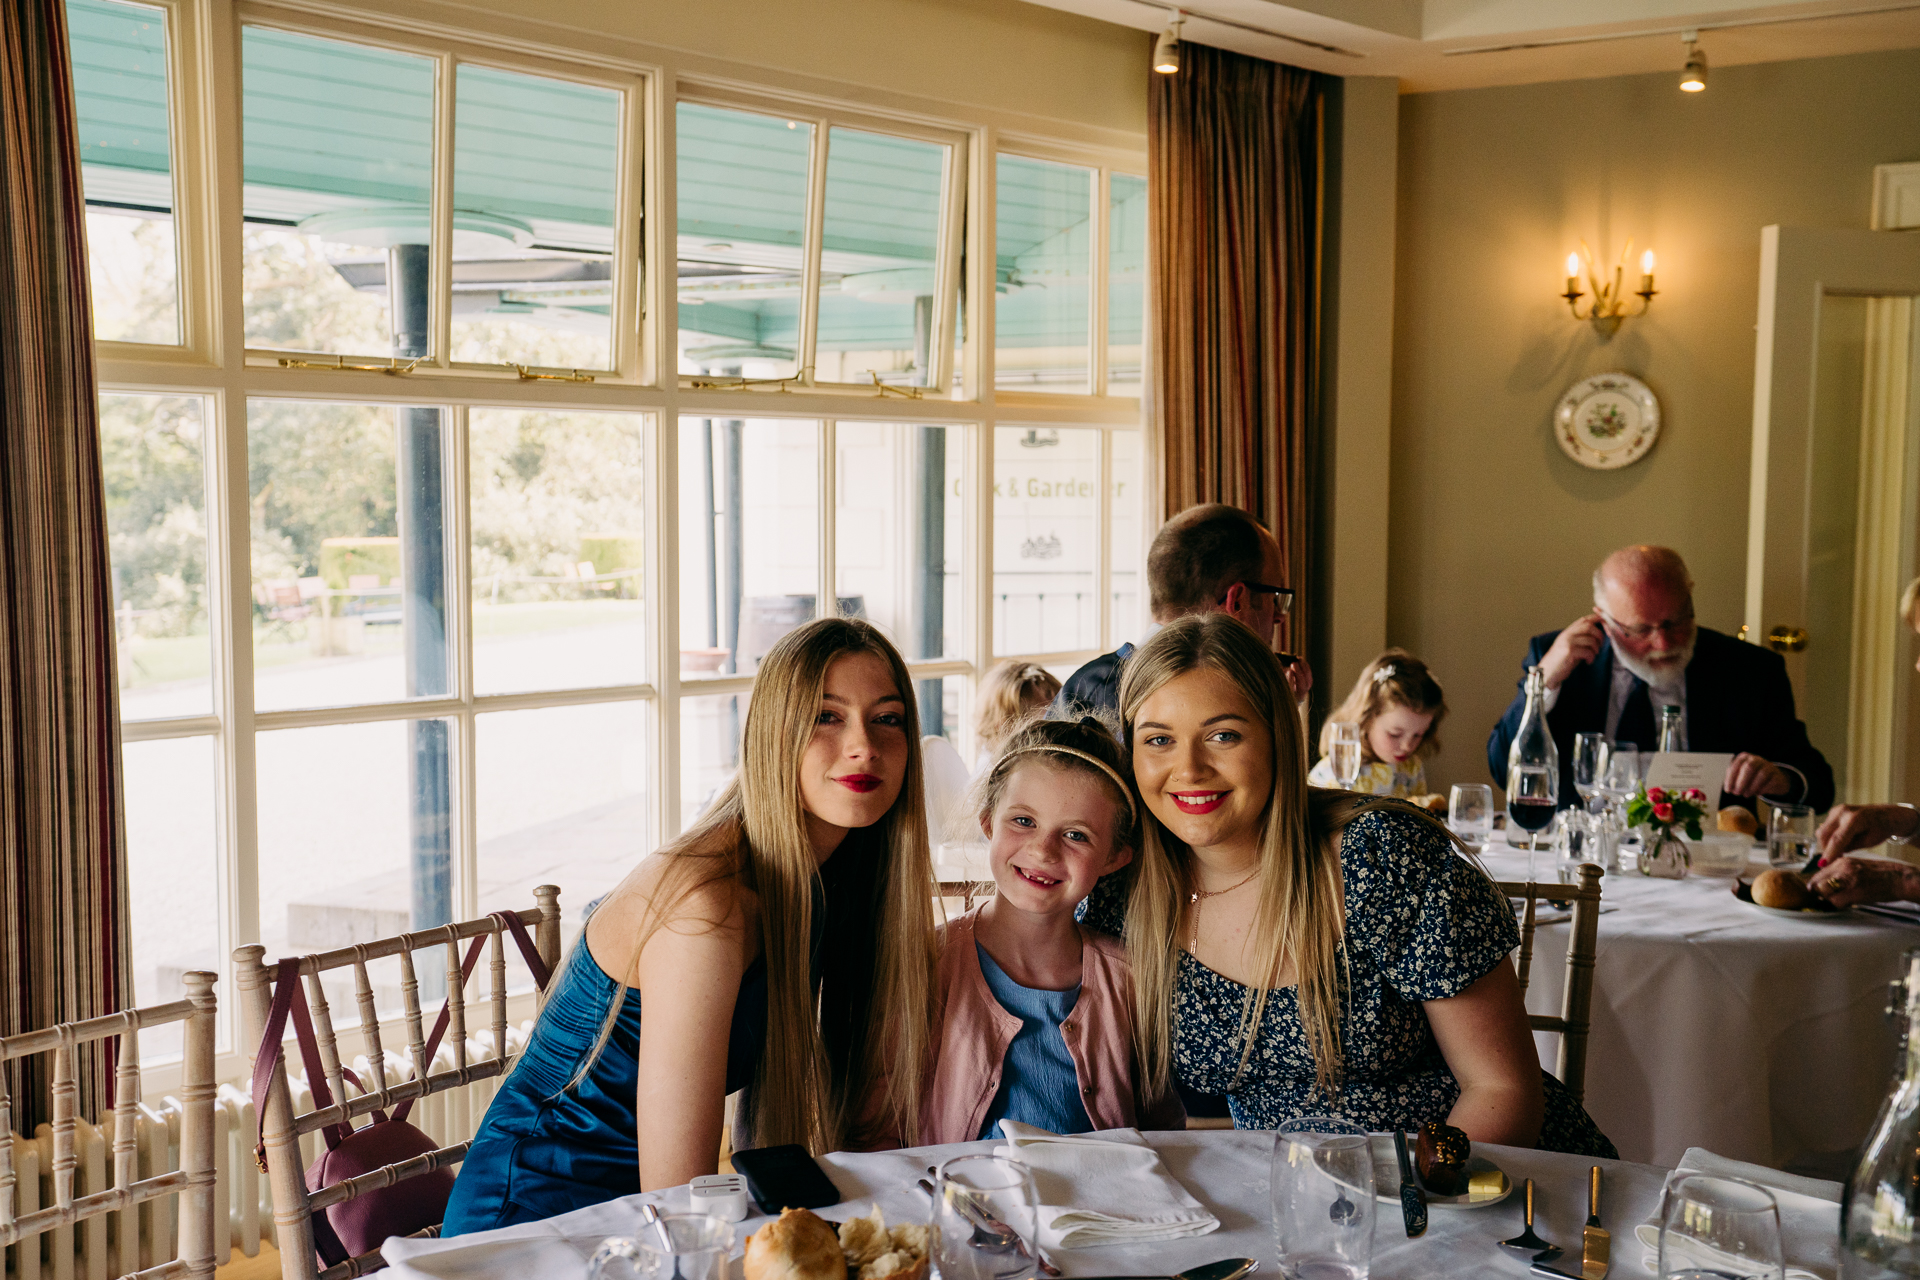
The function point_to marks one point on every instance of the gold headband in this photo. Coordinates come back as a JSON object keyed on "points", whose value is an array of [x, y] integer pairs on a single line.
{"points": [[1126, 792]]}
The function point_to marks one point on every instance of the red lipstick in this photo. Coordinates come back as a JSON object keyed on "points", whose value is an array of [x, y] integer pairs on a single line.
{"points": [[1198, 801], [860, 782]]}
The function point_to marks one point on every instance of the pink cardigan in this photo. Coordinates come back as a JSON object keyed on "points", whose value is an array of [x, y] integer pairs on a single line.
{"points": [[975, 1031]]}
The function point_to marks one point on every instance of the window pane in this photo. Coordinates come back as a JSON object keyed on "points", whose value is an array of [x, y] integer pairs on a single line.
{"points": [[154, 459], [558, 549], [1126, 281], [1044, 267], [349, 568], [1045, 523], [561, 797], [897, 532], [743, 219], [356, 839], [881, 239], [709, 750], [120, 97], [339, 176], [535, 165], [1128, 505], [172, 879], [749, 539]]}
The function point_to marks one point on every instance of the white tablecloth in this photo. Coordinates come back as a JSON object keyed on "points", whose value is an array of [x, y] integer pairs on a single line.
{"points": [[1759, 1036], [1227, 1171]]}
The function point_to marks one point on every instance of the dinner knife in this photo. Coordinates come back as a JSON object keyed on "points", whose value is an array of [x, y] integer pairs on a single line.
{"points": [[1596, 1246], [1413, 1205]]}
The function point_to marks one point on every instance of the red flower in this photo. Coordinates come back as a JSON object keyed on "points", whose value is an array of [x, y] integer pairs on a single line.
{"points": [[1664, 812], [1696, 795], [1656, 795]]}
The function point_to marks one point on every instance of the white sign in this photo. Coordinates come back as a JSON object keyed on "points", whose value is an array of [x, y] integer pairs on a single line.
{"points": [[1678, 770]]}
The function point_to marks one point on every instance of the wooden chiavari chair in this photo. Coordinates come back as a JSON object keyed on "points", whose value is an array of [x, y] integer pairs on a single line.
{"points": [[192, 1182], [1576, 1001]]}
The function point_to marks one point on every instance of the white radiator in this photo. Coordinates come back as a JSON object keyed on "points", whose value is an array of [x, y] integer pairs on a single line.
{"points": [[90, 1251]]}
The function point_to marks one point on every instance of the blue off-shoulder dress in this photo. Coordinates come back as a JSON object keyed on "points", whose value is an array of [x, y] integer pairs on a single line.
{"points": [[544, 1148]]}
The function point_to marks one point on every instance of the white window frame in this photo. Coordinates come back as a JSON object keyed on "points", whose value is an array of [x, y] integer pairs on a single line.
{"points": [[213, 362]]}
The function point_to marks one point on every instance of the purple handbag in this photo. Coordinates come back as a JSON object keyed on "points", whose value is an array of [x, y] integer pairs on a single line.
{"points": [[359, 1226]]}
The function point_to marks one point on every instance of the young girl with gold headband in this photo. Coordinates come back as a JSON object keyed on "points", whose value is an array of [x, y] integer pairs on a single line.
{"points": [[1036, 1012]]}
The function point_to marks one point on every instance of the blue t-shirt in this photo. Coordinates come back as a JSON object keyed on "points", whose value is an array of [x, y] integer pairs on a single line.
{"points": [[1038, 1084]]}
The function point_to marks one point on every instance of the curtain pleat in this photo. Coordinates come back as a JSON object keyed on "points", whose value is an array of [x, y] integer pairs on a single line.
{"points": [[63, 903], [1234, 154]]}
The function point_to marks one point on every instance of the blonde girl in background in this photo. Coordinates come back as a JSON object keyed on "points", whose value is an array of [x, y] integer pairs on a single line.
{"points": [[782, 948], [1399, 706], [1036, 1011], [1012, 692]]}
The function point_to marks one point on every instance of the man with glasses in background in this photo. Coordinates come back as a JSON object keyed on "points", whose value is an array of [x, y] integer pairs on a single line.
{"points": [[1208, 559], [1639, 650]]}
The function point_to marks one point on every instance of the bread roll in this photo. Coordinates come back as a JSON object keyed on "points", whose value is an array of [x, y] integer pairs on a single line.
{"points": [[1782, 889], [798, 1245], [1734, 818], [881, 1252], [1435, 804]]}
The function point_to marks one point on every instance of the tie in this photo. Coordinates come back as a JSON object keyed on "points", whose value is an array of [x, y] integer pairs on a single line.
{"points": [[1636, 719]]}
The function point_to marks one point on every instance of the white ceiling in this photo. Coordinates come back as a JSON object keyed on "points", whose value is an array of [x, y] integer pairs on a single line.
{"points": [[1463, 44]]}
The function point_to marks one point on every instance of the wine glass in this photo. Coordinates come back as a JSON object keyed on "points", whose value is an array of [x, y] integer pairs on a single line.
{"points": [[1715, 1227], [1323, 1205], [1470, 813], [1533, 793], [1343, 753], [1590, 752], [689, 1246], [986, 1220]]}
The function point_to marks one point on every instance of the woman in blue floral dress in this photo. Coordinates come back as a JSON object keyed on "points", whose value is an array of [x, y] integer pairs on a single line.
{"points": [[1305, 951]]}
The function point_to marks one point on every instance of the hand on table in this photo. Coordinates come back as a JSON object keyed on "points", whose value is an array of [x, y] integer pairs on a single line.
{"points": [[1864, 826], [1577, 644], [1749, 775], [1851, 880]]}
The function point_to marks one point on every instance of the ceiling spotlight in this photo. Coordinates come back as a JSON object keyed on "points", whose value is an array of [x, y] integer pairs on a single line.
{"points": [[1166, 50], [1694, 78]]}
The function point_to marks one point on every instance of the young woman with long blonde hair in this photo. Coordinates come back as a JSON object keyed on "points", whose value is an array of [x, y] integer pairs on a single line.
{"points": [[1305, 951], [783, 946]]}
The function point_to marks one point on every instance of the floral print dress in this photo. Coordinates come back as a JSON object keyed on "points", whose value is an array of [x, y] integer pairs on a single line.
{"points": [[1421, 924]]}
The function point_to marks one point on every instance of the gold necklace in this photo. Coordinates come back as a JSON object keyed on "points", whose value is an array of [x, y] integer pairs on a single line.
{"points": [[1194, 899]]}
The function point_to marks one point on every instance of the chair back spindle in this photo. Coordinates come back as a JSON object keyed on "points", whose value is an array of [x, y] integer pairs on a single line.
{"points": [[1573, 1023]]}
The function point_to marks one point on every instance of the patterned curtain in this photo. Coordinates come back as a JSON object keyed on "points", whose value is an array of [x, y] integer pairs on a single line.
{"points": [[63, 902], [1235, 176]]}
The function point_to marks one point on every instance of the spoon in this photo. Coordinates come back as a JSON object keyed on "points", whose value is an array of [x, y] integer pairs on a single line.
{"points": [[1342, 1210], [1225, 1269], [650, 1215], [1527, 1241], [988, 1231]]}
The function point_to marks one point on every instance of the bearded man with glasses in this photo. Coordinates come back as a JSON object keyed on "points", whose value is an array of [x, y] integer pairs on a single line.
{"points": [[1639, 650]]}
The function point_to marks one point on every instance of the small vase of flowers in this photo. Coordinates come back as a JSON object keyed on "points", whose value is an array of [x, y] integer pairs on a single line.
{"points": [[1665, 813]]}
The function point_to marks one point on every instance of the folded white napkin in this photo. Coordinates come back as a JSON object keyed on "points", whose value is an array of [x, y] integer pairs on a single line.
{"points": [[543, 1257], [1073, 1174], [1809, 1216]]}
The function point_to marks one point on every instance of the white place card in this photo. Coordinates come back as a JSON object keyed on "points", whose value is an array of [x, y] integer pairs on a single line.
{"points": [[1678, 770]]}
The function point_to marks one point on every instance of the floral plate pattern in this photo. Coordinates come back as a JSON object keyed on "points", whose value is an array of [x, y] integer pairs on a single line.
{"points": [[1607, 421]]}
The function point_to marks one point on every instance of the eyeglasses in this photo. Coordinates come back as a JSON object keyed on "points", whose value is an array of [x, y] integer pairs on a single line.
{"points": [[1282, 596], [1671, 628]]}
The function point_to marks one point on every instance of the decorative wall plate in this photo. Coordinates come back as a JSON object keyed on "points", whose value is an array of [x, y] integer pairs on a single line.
{"points": [[1607, 421]]}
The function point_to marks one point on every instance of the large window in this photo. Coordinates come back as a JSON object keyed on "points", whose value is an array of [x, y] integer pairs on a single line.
{"points": [[454, 578]]}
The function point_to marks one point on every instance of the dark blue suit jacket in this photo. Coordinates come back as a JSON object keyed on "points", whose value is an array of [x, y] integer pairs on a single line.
{"points": [[1738, 699]]}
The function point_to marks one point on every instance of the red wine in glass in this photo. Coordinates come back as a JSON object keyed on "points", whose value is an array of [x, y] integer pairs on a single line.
{"points": [[1529, 813]]}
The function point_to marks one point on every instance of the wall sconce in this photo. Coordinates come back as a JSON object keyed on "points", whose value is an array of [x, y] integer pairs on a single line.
{"points": [[1609, 297]]}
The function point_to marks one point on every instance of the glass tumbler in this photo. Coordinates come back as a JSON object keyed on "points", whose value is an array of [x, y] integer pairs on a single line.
{"points": [[1713, 1227], [1323, 1205], [985, 1220], [1470, 813], [1789, 834], [700, 1245]]}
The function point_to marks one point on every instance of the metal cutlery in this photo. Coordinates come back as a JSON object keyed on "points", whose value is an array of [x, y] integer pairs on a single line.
{"points": [[1596, 1246], [1529, 1243], [1225, 1269], [988, 1232], [1413, 1205]]}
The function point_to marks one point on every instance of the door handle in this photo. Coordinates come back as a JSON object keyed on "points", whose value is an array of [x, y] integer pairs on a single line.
{"points": [[1787, 639]]}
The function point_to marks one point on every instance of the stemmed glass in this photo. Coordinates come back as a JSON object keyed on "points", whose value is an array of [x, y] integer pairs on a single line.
{"points": [[1323, 1203], [688, 1246], [986, 1220], [1533, 793], [1718, 1227], [1590, 752], [1343, 753], [1470, 813]]}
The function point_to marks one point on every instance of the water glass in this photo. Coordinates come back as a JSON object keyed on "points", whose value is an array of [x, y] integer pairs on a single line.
{"points": [[1579, 839], [1789, 834], [1343, 753], [700, 1245], [1470, 813], [985, 1220], [1717, 1227], [1323, 1202], [1590, 752]]}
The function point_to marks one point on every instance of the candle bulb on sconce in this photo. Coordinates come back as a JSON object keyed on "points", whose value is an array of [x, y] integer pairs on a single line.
{"points": [[1609, 296], [1646, 274], [1573, 276]]}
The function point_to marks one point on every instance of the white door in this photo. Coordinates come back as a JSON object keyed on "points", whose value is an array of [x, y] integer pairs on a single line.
{"points": [[1834, 524]]}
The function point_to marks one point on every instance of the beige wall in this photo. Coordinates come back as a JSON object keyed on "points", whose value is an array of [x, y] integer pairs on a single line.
{"points": [[1492, 531]]}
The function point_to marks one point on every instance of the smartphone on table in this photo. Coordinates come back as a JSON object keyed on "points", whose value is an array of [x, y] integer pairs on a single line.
{"points": [[785, 1177]]}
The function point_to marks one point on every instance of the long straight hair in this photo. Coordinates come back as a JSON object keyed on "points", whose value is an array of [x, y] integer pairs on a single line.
{"points": [[845, 1062], [1300, 915]]}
